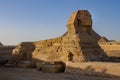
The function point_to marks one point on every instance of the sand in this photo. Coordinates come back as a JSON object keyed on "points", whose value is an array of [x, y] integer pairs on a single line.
{"points": [[32, 74]]}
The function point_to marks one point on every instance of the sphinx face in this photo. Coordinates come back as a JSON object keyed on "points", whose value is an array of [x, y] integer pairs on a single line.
{"points": [[84, 19]]}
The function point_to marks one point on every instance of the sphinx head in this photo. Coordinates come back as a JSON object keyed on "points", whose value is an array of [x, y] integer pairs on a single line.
{"points": [[80, 21]]}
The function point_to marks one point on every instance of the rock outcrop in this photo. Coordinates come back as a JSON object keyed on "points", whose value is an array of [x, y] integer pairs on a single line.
{"points": [[22, 55], [23, 52]]}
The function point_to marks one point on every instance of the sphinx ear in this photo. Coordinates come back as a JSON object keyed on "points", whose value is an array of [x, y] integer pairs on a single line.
{"points": [[78, 21]]}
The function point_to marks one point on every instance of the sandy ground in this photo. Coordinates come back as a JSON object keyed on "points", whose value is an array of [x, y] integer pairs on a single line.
{"points": [[32, 74]]}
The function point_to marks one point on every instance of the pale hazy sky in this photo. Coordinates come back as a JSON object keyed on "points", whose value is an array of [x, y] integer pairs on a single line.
{"points": [[33, 20]]}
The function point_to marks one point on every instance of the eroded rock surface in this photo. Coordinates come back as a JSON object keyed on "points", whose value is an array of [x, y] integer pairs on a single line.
{"points": [[78, 44]]}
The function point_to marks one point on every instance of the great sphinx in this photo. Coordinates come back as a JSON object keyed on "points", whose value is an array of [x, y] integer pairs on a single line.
{"points": [[78, 44]]}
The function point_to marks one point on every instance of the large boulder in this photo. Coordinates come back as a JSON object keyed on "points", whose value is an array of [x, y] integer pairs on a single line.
{"points": [[25, 64], [51, 67], [22, 52]]}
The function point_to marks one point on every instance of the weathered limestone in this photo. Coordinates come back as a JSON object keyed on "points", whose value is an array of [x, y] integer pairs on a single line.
{"points": [[78, 44], [112, 50], [23, 51]]}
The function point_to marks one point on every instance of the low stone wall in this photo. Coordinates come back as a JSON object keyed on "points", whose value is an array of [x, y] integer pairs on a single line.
{"points": [[112, 50], [101, 69], [110, 47]]}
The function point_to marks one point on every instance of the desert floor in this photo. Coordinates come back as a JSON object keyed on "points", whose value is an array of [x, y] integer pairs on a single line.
{"points": [[32, 74]]}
